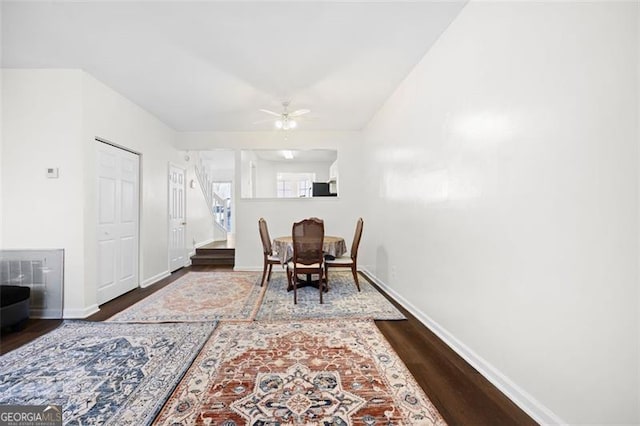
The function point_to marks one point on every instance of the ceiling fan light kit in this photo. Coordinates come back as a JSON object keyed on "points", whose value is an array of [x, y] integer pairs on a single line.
{"points": [[285, 120], [286, 124]]}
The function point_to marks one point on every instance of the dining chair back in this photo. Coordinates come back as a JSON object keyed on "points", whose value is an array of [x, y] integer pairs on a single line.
{"points": [[308, 258], [269, 257], [356, 240], [352, 260]]}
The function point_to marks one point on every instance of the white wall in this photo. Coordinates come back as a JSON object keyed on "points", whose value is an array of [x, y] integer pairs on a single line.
{"points": [[1, 138], [247, 160], [199, 219], [110, 116], [51, 118], [509, 158], [1, 125], [340, 214], [42, 127], [266, 184]]}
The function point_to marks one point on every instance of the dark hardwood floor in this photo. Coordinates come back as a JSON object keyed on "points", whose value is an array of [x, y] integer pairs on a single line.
{"points": [[461, 394]]}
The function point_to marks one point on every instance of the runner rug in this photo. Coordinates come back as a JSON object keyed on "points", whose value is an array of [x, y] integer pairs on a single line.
{"points": [[200, 296], [298, 373], [100, 373], [342, 300]]}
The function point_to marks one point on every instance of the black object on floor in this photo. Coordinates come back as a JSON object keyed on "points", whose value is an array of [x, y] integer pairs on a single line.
{"points": [[14, 306]]}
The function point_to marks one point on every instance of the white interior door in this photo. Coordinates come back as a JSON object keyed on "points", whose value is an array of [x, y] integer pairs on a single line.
{"points": [[177, 218], [118, 207]]}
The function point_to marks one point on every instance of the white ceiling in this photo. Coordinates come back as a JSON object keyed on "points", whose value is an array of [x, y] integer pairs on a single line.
{"points": [[210, 66], [311, 155]]}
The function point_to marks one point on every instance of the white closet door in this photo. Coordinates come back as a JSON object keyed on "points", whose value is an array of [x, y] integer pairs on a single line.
{"points": [[118, 207], [177, 218]]}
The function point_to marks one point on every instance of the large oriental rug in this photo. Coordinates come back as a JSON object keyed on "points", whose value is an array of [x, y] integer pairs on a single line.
{"points": [[100, 373], [298, 373], [341, 301], [200, 296]]}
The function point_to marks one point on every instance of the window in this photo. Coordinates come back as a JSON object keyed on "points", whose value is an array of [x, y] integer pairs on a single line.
{"points": [[294, 185]]}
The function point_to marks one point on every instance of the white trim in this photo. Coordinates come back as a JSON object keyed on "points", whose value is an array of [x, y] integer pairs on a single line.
{"points": [[204, 243], [197, 246], [515, 393], [80, 313], [150, 281]]}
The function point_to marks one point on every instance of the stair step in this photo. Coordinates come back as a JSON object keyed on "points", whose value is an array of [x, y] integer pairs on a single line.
{"points": [[205, 260], [214, 256], [225, 251]]}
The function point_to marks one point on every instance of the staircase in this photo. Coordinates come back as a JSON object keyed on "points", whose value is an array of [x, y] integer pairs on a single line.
{"points": [[222, 251], [218, 253]]}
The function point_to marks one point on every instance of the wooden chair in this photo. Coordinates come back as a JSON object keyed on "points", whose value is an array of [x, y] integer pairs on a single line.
{"points": [[350, 261], [308, 236], [269, 258]]}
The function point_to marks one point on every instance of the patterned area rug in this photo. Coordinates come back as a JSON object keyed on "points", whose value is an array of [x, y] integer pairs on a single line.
{"points": [[200, 296], [298, 373], [101, 373], [342, 300]]}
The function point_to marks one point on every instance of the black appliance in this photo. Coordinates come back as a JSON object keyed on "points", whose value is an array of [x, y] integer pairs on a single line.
{"points": [[321, 189]]}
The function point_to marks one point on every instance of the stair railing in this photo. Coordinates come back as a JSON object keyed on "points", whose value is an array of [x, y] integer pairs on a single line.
{"points": [[218, 206]]}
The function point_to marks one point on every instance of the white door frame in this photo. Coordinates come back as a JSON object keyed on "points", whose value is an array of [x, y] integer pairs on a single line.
{"points": [[169, 227]]}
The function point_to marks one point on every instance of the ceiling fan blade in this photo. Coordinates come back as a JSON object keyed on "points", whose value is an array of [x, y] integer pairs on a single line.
{"points": [[299, 112], [271, 112]]}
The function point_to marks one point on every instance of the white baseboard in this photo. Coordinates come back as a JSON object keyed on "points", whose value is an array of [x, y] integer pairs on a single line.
{"points": [[515, 393], [150, 281], [204, 243], [197, 246], [90, 310], [80, 313]]}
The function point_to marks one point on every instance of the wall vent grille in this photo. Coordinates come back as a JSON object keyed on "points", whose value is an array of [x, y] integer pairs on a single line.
{"points": [[42, 271]]}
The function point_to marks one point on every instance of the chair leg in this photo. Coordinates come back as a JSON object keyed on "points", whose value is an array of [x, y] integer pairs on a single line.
{"points": [[354, 271], [269, 274], [295, 290], [326, 276], [320, 285], [295, 295], [264, 273]]}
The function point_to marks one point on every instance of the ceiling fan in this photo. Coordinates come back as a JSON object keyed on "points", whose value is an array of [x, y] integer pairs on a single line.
{"points": [[285, 119]]}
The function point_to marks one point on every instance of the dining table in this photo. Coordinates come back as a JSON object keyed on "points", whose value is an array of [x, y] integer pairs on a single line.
{"points": [[331, 245]]}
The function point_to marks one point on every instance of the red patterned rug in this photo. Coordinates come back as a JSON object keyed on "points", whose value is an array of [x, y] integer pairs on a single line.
{"points": [[200, 296], [298, 373]]}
